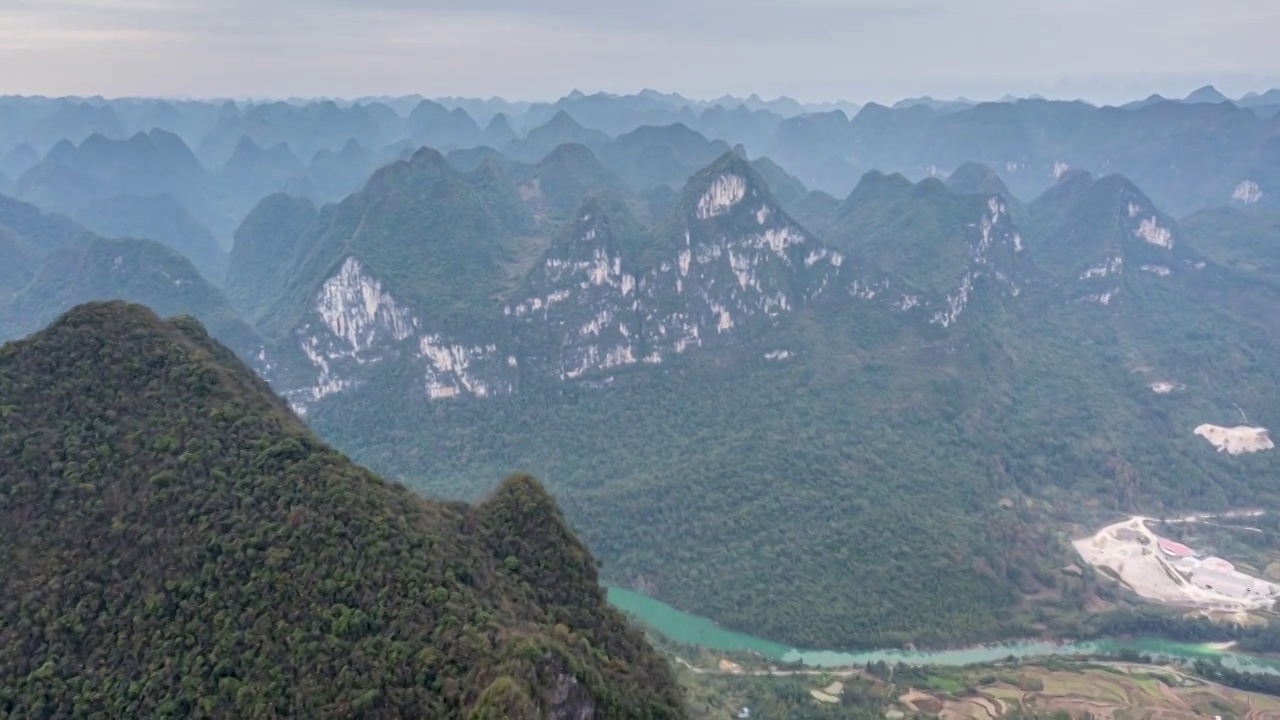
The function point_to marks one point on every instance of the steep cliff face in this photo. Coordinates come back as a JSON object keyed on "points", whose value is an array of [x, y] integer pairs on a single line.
{"points": [[740, 262], [1096, 235], [354, 323], [579, 309], [431, 275], [604, 295], [925, 251], [994, 250], [400, 278], [609, 294], [925, 340]]}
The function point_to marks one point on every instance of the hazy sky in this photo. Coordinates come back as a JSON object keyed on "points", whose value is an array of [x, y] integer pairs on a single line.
{"points": [[525, 49]]}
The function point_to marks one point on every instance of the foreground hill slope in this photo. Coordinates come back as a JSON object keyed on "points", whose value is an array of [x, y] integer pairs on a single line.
{"points": [[176, 543]]}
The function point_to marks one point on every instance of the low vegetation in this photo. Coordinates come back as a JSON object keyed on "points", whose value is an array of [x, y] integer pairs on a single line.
{"points": [[1013, 691]]}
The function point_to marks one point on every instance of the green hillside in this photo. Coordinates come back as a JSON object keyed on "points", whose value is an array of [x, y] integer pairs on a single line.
{"points": [[436, 237], [850, 474], [141, 271], [163, 219], [177, 544]]}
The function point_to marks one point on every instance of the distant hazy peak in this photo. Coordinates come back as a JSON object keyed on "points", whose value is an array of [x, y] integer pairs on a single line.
{"points": [[1206, 94], [973, 177]]}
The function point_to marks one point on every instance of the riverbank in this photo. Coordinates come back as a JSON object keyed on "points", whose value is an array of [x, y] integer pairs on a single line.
{"points": [[687, 629]]}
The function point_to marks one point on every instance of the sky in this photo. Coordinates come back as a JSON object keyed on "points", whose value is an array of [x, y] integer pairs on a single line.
{"points": [[814, 50]]}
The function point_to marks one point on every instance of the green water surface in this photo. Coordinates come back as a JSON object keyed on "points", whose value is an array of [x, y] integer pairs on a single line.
{"points": [[689, 629]]}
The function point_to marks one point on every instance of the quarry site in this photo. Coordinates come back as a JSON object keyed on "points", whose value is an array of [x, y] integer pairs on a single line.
{"points": [[1237, 440], [1166, 571]]}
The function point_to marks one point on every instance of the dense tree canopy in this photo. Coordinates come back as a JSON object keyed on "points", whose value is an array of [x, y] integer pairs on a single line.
{"points": [[175, 543]]}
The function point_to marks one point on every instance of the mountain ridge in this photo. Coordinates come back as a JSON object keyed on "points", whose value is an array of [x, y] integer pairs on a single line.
{"points": [[265, 605]]}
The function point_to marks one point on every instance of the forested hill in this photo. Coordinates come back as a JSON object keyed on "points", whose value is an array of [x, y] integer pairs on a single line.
{"points": [[175, 543]]}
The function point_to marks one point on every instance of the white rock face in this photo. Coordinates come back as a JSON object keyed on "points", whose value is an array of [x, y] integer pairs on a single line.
{"points": [[585, 314], [1247, 192], [1059, 169], [450, 368], [1114, 266], [992, 248], [355, 308], [354, 323], [1160, 270], [725, 192], [1163, 387], [1151, 231], [594, 315], [326, 384], [1237, 440], [956, 303]]}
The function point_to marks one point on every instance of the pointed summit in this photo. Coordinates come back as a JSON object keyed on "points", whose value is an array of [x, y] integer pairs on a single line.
{"points": [[353, 151], [1153, 99], [785, 186], [1205, 96], [1096, 228], [267, 244], [521, 521], [60, 152], [208, 438], [253, 172], [422, 169], [433, 124], [934, 238], [427, 112], [724, 187], [975, 178], [19, 159], [563, 178], [562, 121], [562, 128], [246, 149], [499, 131]]}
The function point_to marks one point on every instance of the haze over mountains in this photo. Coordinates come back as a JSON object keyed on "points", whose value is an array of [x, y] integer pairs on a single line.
{"points": [[219, 158], [841, 377]]}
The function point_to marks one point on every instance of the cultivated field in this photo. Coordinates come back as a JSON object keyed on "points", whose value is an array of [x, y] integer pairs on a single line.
{"points": [[1115, 690]]}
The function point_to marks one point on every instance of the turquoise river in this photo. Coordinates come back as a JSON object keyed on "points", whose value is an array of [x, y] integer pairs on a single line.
{"points": [[689, 629]]}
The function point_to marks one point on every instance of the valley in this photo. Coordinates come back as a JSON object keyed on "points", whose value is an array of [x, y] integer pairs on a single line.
{"points": [[882, 422], [393, 360], [700, 634]]}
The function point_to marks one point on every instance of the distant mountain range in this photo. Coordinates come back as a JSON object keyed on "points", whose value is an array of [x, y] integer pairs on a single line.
{"points": [[56, 152], [707, 349], [839, 381]]}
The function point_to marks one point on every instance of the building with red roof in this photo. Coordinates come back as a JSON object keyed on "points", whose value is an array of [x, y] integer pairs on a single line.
{"points": [[1175, 549]]}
